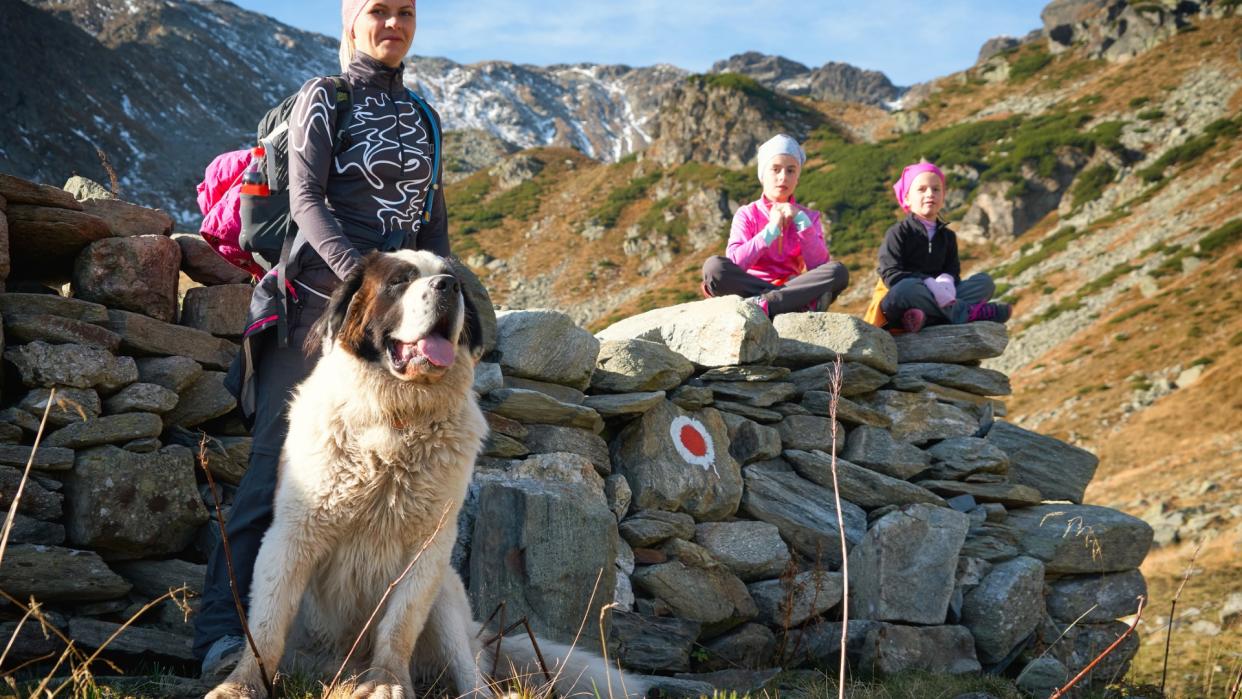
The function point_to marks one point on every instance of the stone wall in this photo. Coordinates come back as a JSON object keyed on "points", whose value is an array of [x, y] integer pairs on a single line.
{"points": [[676, 467]]}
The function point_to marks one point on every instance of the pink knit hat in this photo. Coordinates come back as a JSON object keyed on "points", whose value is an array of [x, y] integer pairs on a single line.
{"points": [[902, 185], [350, 9]]}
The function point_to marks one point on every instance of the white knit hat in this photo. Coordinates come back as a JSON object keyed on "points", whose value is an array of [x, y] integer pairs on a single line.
{"points": [[779, 145]]}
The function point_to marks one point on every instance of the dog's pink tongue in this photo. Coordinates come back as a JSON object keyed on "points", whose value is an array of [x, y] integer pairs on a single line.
{"points": [[437, 350]]}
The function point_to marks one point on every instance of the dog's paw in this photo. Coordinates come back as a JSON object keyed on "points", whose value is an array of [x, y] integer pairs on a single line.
{"points": [[379, 690], [232, 690]]}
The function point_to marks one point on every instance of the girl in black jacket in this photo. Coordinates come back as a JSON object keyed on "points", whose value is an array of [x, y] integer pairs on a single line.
{"points": [[920, 266]]}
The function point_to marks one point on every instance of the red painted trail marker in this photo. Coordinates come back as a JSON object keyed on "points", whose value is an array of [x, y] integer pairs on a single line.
{"points": [[693, 442]]}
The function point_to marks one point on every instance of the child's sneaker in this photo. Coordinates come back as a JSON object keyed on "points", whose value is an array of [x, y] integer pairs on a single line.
{"points": [[985, 310], [703, 290], [912, 320], [761, 303]]}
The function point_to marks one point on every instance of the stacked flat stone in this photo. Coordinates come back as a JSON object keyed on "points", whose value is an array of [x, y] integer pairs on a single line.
{"points": [[116, 511], [968, 545]]}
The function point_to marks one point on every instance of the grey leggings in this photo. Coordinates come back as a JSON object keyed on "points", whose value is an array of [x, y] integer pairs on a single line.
{"points": [[722, 277], [912, 293], [277, 371]]}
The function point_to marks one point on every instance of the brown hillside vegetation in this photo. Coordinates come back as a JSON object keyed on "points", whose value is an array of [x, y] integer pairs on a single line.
{"points": [[1128, 335]]}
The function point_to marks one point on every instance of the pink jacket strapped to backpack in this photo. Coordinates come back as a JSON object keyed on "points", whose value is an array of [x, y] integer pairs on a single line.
{"points": [[786, 256], [219, 200]]}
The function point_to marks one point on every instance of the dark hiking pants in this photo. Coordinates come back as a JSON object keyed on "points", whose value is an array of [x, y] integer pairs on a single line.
{"points": [[277, 371], [912, 293]]}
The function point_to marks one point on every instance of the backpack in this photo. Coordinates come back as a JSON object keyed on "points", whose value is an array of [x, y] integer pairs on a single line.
{"points": [[251, 231]]}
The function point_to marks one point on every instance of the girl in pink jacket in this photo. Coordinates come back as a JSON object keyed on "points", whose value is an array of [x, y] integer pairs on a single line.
{"points": [[776, 256]]}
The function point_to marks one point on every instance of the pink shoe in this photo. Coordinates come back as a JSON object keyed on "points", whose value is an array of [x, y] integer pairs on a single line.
{"points": [[995, 312], [912, 320]]}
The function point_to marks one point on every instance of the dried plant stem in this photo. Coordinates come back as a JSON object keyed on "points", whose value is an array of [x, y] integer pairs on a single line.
{"points": [[268, 684], [1091, 665], [384, 599], [836, 496], [1168, 631], [1237, 686], [21, 486]]}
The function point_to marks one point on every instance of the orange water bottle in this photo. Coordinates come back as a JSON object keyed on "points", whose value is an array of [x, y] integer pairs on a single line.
{"points": [[254, 182]]}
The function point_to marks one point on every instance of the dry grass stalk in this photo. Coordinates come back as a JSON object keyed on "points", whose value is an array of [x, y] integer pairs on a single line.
{"points": [[384, 599], [21, 485], [203, 459], [113, 181], [1168, 632], [1091, 665], [835, 392]]}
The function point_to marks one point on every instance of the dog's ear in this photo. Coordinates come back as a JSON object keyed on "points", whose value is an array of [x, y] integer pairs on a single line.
{"points": [[472, 330], [330, 323]]}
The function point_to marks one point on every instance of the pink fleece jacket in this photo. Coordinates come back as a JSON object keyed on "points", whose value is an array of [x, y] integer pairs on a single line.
{"points": [[788, 256]]}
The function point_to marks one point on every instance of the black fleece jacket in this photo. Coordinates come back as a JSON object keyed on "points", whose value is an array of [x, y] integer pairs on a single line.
{"points": [[906, 252]]}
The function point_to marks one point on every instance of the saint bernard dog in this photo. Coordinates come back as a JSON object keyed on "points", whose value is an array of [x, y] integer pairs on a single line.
{"points": [[382, 441]]}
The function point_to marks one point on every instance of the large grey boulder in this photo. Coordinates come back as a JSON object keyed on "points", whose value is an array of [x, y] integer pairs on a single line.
{"points": [[814, 338], [862, 486], [56, 574], [549, 439], [1005, 607], [633, 365], [1058, 470], [134, 274], [133, 505], [1042, 677], [1076, 645], [27, 530], [998, 491], [1081, 539], [856, 378], [28, 327], [679, 461], [646, 528], [977, 380], [890, 649], [143, 335], [959, 457], [219, 310], [803, 511], [69, 406], [786, 603], [78, 366], [43, 241], [820, 403], [534, 407], [904, 568], [819, 644], [748, 646], [761, 394], [623, 404], [1095, 599], [45, 458], [226, 457], [652, 644], [16, 190], [546, 346], [698, 588], [154, 578], [203, 264], [752, 550], [127, 220], [950, 344], [876, 449], [539, 546], [715, 332], [561, 392], [133, 640], [919, 417], [109, 429]]}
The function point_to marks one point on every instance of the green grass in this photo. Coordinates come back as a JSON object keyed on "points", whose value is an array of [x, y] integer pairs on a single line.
{"points": [[1189, 151], [607, 213], [773, 103], [1090, 184], [1128, 314], [1028, 64], [1052, 244], [1137, 102], [1222, 237], [1150, 114]]}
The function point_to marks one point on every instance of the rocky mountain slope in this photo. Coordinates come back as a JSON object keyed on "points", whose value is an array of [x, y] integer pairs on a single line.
{"points": [[158, 88]]}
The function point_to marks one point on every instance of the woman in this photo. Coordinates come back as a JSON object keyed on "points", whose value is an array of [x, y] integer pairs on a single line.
{"points": [[378, 189], [776, 255]]}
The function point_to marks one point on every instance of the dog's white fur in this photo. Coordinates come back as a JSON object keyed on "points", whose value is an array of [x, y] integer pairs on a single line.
{"points": [[372, 463]]}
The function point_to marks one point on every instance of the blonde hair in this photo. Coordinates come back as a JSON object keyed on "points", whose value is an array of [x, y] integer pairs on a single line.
{"points": [[346, 53]]}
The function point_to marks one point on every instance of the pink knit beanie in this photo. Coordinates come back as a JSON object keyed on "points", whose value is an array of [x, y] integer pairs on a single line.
{"points": [[902, 185], [350, 9]]}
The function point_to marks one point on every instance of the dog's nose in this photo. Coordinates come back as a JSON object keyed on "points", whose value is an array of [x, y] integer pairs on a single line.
{"points": [[443, 282]]}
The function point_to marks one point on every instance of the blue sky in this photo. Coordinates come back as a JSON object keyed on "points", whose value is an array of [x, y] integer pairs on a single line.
{"points": [[909, 41]]}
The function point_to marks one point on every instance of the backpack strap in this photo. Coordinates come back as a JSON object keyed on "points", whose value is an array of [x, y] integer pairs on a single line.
{"points": [[343, 114]]}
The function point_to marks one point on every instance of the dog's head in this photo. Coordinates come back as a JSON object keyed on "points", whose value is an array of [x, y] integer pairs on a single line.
{"points": [[404, 311]]}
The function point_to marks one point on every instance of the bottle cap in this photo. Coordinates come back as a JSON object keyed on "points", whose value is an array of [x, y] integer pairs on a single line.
{"points": [[258, 151]]}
